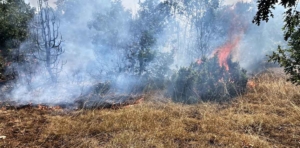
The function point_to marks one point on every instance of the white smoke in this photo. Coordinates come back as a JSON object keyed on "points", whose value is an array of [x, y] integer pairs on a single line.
{"points": [[84, 67], [128, 4]]}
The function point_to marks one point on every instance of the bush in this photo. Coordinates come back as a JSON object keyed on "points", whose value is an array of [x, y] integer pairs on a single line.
{"points": [[2, 68], [208, 81]]}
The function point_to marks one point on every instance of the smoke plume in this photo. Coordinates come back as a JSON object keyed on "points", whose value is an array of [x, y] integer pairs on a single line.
{"points": [[99, 42]]}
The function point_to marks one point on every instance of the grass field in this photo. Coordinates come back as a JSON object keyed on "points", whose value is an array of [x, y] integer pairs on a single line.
{"points": [[268, 115]]}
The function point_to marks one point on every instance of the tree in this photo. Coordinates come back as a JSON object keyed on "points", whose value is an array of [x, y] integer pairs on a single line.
{"points": [[195, 29], [196, 26], [47, 39], [146, 28], [203, 20], [287, 57], [14, 17], [132, 38], [110, 35]]}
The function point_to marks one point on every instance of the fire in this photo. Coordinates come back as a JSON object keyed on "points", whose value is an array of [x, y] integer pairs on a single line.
{"points": [[139, 101], [251, 84], [44, 107], [224, 51], [236, 31], [199, 61]]}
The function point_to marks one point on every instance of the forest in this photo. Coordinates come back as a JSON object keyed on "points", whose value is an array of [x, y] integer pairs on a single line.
{"points": [[190, 49], [98, 74]]}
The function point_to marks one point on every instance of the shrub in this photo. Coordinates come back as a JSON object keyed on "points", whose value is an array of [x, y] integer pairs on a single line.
{"points": [[208, 81]]}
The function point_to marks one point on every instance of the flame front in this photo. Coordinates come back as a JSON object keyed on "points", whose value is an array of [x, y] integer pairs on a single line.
{"points": [[199, 61], [235, 33], [224, 51]]}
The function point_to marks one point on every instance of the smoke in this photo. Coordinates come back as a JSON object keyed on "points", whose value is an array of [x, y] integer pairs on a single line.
{"points": [[34, 3], [99, 43], [130, 4], [231, 2], [235, 36], [79, 60], [260, 41]]}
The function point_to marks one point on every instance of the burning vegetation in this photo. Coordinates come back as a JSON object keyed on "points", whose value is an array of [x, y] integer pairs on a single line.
{"points": [[171, 74], [225, 51], [208, 81], [128, 56]]}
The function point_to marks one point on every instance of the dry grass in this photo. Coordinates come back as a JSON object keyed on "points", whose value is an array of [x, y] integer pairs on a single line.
{"points": [[267, 116]]}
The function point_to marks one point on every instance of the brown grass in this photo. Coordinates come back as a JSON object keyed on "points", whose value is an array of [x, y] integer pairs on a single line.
{"points": [[268, 115]]}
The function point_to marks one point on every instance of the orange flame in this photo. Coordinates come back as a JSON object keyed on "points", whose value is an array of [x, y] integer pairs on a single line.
{"points": [[139, 101], [199, 61], [251, 84], [224, 51], [236, 30]]}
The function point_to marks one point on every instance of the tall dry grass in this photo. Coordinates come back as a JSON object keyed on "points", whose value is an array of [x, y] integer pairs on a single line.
{"points": [[268, 115]]}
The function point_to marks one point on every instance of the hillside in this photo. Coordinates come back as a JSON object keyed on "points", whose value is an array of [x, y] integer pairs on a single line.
{"points": [[268, 115]]}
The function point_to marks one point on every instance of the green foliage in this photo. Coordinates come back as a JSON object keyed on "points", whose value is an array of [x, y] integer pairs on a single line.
{"points": [[146, 28], [145, 54], [184, 82], [288, 58], [208, 81], [265, 6], [14, 17], [157, 74], [2, 68]]}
